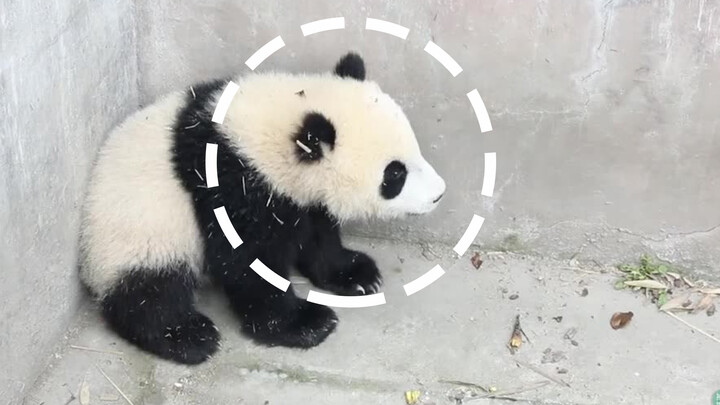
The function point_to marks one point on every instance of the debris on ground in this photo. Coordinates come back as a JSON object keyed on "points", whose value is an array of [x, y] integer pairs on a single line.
{"points": [[476, 260], [542, 373], [570, 336], [664, 286], [550, 356], [513, 297], [517, 335], [703, 304], [558, 319], [584, 292], [84, 394], [115, 386], [417, 397], [427, 251], [412, 397], [620, 319]]}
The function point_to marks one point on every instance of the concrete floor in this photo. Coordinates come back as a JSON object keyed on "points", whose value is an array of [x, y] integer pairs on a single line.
{"points": [[456, 329]]}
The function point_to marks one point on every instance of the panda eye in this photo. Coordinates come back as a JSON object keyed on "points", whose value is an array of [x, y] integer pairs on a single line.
{"points": [[393, 179]]}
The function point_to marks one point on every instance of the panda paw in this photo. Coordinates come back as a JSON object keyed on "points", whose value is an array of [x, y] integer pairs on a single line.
{"points": [[307, 326], [359, 276], [192, 341]]}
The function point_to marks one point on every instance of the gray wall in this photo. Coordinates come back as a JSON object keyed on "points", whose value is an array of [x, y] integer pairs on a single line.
{"points": [[605, 113], [67, 73]]}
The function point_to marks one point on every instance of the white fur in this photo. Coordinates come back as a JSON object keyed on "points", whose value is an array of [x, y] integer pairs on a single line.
{"points": [[371, 128], [136, 213]]}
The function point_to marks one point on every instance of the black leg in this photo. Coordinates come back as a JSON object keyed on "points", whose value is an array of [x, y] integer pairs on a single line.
{"points": [[330, 266], [272, 317], [154, 310]]}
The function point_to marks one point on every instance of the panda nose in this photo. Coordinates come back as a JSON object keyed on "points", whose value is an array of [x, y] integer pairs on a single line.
{"points": [[438, 198]]}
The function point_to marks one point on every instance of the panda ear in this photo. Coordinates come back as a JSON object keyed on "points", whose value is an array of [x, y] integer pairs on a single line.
{"points": [[351, 65]]}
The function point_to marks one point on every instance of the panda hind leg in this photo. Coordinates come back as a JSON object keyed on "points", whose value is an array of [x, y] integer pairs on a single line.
{"points": [[155, 311], [271, 317]]}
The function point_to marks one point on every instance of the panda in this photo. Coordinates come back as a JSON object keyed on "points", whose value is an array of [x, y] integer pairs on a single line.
{"points": [[298, 156]]}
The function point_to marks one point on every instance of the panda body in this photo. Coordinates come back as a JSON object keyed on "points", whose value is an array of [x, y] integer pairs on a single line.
{"points": [[297, 156]]}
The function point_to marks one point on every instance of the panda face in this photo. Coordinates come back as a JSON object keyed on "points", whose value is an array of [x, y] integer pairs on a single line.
{"points": [[336, 140]]}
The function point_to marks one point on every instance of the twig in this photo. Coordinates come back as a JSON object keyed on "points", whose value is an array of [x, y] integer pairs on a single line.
{"points": [[507, 395], [692, 326], [463, 383], [542, 373], [526, 389], [502, 397], [114, 385], [90, 349], [580, 270]]}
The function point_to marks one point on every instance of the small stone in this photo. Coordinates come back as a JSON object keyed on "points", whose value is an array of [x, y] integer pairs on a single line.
{"points": [[514, 297], [562, 371]]}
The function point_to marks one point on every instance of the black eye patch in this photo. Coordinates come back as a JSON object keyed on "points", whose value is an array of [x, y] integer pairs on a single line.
{"points": [[393, 179], [315, 129]]}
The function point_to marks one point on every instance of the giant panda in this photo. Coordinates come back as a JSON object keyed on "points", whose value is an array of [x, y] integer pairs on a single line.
{"points": [[298, 155]]}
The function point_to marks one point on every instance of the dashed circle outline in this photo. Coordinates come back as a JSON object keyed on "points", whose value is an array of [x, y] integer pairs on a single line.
{"points": [[421, 282]]}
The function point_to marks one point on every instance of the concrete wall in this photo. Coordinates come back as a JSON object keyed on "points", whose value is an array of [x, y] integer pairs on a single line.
{"points": [[605, 113], [67, 73]]}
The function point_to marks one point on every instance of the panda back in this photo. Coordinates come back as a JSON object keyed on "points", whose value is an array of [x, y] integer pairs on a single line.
{"points": [[137, 216]]}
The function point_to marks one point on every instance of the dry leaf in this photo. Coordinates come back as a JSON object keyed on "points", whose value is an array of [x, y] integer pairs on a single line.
{"points": [[704, 303], [620, 319], [516, 338], [651, 284], [84, 395], [676, 303], [673, 275], [710, 291], [476, 260], [411, 397], [689, 284]]}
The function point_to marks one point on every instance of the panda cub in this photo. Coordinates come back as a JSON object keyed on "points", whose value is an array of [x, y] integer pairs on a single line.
{"points": [[297, 156]]}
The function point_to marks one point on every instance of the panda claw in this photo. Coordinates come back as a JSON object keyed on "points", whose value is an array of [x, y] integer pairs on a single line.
{"points": [[360, 289]]}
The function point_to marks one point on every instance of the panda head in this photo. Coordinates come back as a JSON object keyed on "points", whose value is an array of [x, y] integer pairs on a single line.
{"points": [[335, 139]]}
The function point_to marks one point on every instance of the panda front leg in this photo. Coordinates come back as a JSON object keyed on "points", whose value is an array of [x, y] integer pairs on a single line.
{"points": [[272, 317], [154, 310], [329, 265]]}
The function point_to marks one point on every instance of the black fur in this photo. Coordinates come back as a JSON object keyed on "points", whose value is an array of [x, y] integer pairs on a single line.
{"points": [[153, 308], [315, 129], [274, 230], [351, 65], [393, 179]]}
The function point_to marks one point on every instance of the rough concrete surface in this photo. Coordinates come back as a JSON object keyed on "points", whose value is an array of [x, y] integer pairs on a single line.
{"points": [[605, 125], [604, 112], [67, 74], [456, 329]]}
